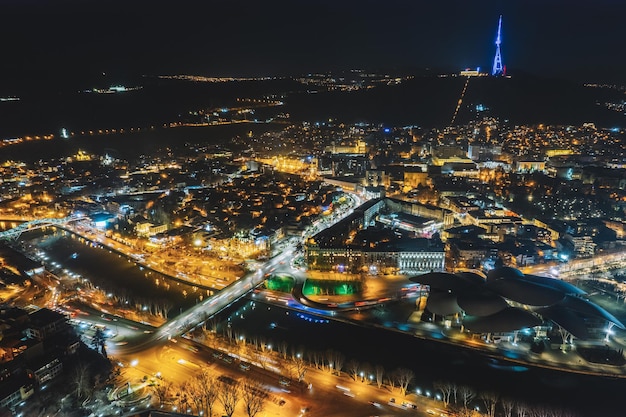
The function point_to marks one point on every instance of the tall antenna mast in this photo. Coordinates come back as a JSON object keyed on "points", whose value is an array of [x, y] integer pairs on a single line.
{"points": [[498, 69]]}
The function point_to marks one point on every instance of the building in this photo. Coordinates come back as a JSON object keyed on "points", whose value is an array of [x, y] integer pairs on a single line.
{"points": [[383, 250], [147, 229], [45, 368], [44, 323], [14, 390]]}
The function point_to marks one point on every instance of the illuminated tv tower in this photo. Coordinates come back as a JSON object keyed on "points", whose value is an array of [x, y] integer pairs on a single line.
{"points": [[498, 68]]}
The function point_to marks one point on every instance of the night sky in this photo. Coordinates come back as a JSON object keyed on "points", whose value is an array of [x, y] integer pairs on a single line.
{"points": [[44, 40]]}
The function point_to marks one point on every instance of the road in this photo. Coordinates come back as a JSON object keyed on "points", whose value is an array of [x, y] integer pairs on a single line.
{"points": [[208, 307]]}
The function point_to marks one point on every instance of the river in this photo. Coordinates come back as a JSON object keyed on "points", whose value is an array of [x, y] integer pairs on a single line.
{"points": [[430, 360]]}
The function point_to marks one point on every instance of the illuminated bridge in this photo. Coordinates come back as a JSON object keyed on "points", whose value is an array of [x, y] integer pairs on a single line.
{"points": [[16, 232]]}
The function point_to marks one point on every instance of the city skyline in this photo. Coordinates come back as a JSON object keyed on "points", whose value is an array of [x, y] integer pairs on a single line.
{"points": [[71, 39], [320, 209]]}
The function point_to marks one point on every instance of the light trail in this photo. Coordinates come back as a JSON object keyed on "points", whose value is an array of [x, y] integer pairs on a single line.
{"points": [[458, 104]]}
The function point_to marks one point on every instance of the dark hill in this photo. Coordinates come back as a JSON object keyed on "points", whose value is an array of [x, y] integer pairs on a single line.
{"points": [[430, 102]]}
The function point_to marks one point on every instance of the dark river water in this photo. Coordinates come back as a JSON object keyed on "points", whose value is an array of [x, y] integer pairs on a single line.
{"points": [[429, 360], [113, 272], [432, 361]]}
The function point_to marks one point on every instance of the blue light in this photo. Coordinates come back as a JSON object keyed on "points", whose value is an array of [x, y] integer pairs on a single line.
{"points": [[387, 130]]}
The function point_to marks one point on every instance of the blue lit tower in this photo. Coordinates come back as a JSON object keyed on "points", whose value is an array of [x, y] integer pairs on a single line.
{"points": [[498, 68]]}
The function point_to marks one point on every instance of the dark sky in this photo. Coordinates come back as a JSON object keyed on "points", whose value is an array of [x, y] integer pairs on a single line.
{"points": [[572, 39]]}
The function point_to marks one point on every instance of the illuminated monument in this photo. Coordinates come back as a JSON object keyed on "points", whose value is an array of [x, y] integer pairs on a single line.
{"points": [[498, 68]]}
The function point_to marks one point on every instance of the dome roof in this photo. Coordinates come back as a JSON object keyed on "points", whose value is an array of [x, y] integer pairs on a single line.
{"points": [[442, 281], [481, 303], [509, 319], [486, 302], [567, 319], [471, 277], [557, 284], [588, 308], [442, 303], [526, 292], [504, 272]]}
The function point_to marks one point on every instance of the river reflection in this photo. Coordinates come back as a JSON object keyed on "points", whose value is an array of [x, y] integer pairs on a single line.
{"points": [[113, 272], [429, 360]]}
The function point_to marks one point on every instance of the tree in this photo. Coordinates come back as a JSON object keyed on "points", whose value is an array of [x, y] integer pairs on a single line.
{"points": [[229, 397], [446, 391], [404, 376], [391, 379], [316, 358], [253, 397], [282, 348], [162, 391], [521, 410], [299, 367], [366, 371], [209, 390], [353, 368], [467, 395], [507, 407], [98, 341], [490, 399], [380, 373], [183, 392], [80, 379], [337, 361], [195, 394]]}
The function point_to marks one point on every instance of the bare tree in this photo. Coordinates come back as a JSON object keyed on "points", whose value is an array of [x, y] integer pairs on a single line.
{"points": [[537, 411], [366, 371], [162, 391], [282, 348], [80, 378], [391, 379], [310, 357], [490, 399], [467, 395], [299, 367], [330, 360], [353, 368], [404, 376], [521, 410], [229, 397], [455, 390], [380, 373], [183, 396], [229, 333], [195, 394], [507, 407], [338, 361], [209, 390], [253, 397], [446, 390]]}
